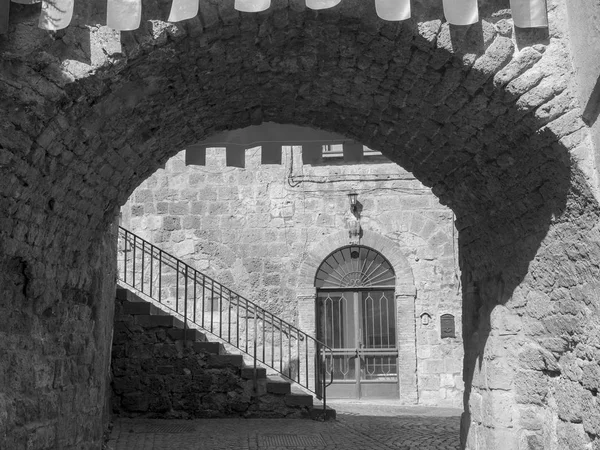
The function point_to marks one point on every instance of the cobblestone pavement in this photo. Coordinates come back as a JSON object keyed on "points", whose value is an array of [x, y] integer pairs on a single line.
{"points": [[359, 426]]}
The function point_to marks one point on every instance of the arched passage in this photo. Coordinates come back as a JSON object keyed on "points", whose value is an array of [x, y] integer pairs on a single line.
{"points": [[489, 130]]}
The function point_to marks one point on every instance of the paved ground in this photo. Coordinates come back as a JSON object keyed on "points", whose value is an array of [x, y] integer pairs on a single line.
{"points": [[359, 426]]}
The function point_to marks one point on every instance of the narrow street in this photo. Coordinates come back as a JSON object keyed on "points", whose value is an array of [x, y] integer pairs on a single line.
{"points": [[359, 426]]}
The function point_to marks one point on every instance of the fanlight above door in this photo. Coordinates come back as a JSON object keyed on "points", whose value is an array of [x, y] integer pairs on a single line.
{"points": [[355, 266]]}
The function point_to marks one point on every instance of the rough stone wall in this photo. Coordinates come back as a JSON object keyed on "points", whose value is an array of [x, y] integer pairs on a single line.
{"points": [[252, 229], [584, 35], [486, 115], [55, 338]]}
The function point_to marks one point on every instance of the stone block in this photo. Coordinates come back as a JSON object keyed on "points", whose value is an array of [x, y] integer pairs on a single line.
{"points": [[498, 438], [572, 436], [138, 308], [433, 366], [499, 374], [207, 347], [525, 59], [152, 321], [569, 400], [188, 334], [430, 382], [135, 401], [429, 398], [278, 387], [248, 373], [298, 400], [447, 380], [166, 350], [476, 407], [165, 370], [590, 376], [42, 437], [226, 360], [499, 410]]}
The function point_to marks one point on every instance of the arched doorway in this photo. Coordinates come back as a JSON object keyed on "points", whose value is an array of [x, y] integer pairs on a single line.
{"points": [[356, 317]]}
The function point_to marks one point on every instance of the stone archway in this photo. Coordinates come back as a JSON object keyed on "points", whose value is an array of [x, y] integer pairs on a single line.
{"points": [[405, 293], [496, 134]]}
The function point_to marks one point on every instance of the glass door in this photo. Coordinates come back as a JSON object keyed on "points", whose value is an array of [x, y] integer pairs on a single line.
{"points": [[377, 345], [360, 327]]}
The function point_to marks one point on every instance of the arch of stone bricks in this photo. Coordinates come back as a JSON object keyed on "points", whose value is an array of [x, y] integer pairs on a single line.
{"points": [[86, 115], [404, 292], [320, 250]]}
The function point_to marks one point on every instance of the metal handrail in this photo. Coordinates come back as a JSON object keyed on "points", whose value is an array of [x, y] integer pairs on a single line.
{"points": [[206, 304]]}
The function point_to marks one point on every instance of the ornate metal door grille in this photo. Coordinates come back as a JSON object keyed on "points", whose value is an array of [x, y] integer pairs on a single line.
{"points": [[355, 267], [357, 319]]}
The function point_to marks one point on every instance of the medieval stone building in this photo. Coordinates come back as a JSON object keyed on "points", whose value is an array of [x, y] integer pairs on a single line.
{"points": [[265, 231], [497, 119]]}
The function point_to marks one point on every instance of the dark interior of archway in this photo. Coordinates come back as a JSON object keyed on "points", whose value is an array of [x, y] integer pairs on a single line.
{"points": [[383, 84]]}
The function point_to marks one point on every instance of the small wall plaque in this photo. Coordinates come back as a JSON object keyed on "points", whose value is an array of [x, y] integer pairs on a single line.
{"points": [[447, 326]]}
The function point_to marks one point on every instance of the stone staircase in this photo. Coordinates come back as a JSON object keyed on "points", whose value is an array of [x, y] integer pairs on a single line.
{"points": [[161, 370]]}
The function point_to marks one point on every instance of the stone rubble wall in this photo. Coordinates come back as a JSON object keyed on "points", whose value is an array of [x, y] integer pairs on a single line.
{"points": [[156, 374], [55, 338]]}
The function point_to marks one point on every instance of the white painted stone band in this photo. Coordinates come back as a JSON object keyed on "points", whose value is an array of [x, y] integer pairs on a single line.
{"points": [[393, 10], [56, 14], [183, 10], [529, 13], [461, 12], [124, 15], [251, 5], [321, 4]]}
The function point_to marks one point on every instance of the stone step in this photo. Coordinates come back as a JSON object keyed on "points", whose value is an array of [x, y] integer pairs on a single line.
{"points": [[151, 321], [294, 399], [226, 360], [278, 386], [149, 315], [139, 308], [126, 295], [207, 347], [248, 373], [190, 334]]}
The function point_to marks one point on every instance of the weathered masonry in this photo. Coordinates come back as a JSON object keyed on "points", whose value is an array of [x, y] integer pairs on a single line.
{"points": [[500, 122], [284, 236]]}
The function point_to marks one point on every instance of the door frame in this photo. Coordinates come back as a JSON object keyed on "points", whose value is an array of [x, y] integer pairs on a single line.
{"points": [[405, 293], [357, 346]]}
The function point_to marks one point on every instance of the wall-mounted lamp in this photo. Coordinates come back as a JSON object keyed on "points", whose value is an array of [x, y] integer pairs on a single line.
{"points": [[353, 198], [355, 231]]}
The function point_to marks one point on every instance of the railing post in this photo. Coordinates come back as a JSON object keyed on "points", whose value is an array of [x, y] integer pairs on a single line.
{"points": [[143, 250], [255, 382], [151, 270], [177, 286], [323, 377], [185, 298], [133, 261], [125, 258]]}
